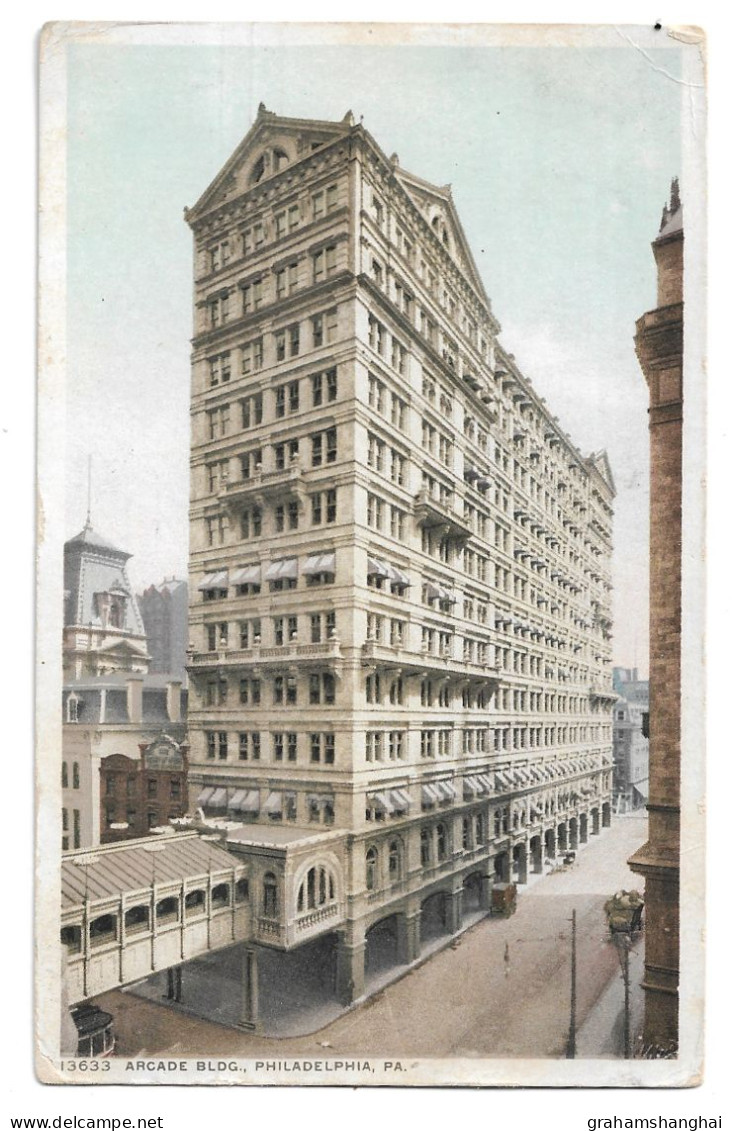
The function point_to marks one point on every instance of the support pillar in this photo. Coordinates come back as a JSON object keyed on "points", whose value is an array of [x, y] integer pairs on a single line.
{"points": [[454, 911], [521, 859], [249, 1017], [485, 891], [583, 823], [408, 937], [350, 955], [595, 823], [573, 833]]}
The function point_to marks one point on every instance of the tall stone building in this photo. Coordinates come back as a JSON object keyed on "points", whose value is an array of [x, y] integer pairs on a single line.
{"points": [[164, 609], [630, 740], [659, 343], [400, 564]]}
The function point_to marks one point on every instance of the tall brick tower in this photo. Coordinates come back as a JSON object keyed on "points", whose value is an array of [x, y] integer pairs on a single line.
{"points": [[659, 349]]}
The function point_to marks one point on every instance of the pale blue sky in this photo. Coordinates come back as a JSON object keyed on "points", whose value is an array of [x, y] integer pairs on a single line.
{"points": [[560, 161]]}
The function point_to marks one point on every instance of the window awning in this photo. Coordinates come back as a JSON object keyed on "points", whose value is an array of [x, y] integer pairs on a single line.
{"points": [[247, 575], [484, 783], [382, 801], [251, 801], [319, 799], [218, 580], [274, 803], [470, 787], [502, 781], [430, 795], [320, 563], [376, 568], [237, 799], [284, 568], [218, 799], [446, 789], [400, 799], [397, 577], [203, 797], [438, 593]]}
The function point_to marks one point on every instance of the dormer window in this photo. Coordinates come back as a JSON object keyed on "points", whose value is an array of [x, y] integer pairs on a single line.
{"points": [[110, 608]]}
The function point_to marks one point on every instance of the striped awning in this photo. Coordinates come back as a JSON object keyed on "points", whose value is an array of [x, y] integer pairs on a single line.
{"points": [[284, 568], [397, 577], [447, 790], [247, 575], [274, 803], [382, 801], [430, 795], [204, 796], [484, 783], [218, 799], [376, 568], [470, 787], [236, 799], [218, 580], [400, 799], [320, 563]]}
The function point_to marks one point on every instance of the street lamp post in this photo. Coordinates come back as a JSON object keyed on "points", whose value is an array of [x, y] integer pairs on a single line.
{"points": [[570, 1054]]}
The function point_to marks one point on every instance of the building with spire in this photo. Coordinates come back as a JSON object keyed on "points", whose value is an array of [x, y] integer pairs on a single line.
{"points": [[112, 705], [103, 627], [659, 348], [400, 564]]}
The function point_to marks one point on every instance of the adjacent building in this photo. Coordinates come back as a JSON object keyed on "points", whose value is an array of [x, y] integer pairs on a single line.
{"points": [[659, 346], [630, 740], [111, 704], [140, 795], [400, 610], [164, 609]]}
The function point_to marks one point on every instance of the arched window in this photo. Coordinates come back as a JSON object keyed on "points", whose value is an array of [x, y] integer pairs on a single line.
{"points": [[166, 910], [196, 902], [103, 930], [220, 895], [395, 861], [441, 841], [317, 889], [71, 938], [241, 890], [258, 171], [279, 160], [269, 895], [372, 859], [136, 918]]}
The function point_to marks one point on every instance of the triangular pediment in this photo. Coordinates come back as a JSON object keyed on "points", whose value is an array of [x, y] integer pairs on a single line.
{"points": [[272, 145], [436, 205], [600, 462]]}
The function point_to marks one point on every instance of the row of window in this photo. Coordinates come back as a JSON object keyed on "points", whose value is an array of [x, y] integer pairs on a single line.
{"points": [[75, 775], [74, 826], [263, 290], [284, 630], [321, 689], [283, 222], [283, 746], [392, 745]]}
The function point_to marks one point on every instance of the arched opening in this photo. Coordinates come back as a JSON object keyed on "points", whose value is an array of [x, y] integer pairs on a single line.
{"points": [[472, 886], [562, 837], [382, 945], [434, 917], [137, 919], [220, 896], [269, 895], [241, 890], [395, 861], [195, 902], [103, 930], [166, 910], [550, 844], [535, 852], [71, 939], [316, 890], [371, 865]]}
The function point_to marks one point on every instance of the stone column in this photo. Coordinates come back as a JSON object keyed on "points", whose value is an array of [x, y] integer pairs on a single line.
{"points": [[454, 910], [486, 886], [350, 956], [521, 862], [249, 1017], [408, 936]]}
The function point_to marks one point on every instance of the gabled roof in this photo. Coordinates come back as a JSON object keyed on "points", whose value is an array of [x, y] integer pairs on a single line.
{"points": [[295, 135], [436, 204], [599, 462]]}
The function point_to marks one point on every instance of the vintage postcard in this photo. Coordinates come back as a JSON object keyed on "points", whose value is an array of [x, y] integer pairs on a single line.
{"points": [[370, 579]]}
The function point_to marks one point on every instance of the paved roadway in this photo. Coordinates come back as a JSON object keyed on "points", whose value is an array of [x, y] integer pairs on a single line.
{"points": [[500, 990]]}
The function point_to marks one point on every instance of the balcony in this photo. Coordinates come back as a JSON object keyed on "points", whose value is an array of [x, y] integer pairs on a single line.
{"points": [[386, 657], [432, 513], [284, 482], [325, 654]]}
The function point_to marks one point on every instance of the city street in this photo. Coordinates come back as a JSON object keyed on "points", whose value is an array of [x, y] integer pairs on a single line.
{"points": [[502, 989]]}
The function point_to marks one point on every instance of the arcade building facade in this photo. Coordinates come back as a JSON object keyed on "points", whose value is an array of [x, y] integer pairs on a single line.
{"points": [[400, 614]]}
